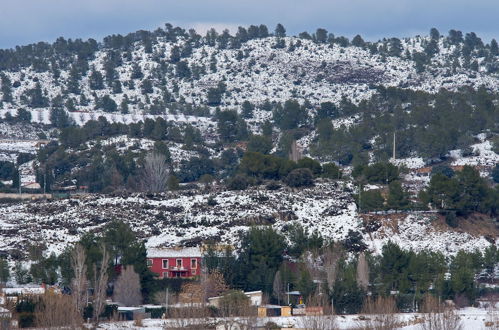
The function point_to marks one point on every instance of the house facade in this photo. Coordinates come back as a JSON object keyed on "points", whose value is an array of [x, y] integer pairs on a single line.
{"points": [[175, 262]]}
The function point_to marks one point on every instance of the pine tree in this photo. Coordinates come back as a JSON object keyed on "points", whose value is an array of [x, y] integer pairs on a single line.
{"points": [[6, 88], [247, 109], [280, 31], [321, 36], [96, 80], [136, 72], [494, 48]]}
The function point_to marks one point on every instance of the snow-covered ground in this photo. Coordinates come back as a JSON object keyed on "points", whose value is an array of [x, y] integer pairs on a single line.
{"points": [[186, 218], [316, 72], [469, 319]]}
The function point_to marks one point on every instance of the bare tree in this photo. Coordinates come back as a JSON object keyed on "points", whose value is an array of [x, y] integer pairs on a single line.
{"points": [[213, 284], [331, 257], [438, 316], [100, 285], [79, 284], [278, 287], [56, 311], [362, 272], [127, 288], [155, 173]]}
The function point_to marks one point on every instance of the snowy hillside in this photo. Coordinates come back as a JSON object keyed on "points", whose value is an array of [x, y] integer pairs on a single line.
{"points": [[257, 71], [188, 218]]}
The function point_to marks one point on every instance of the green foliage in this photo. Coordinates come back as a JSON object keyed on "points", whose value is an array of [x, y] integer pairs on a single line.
{"points": [[347, 296], [299, 177], [311, 164], [451, 219], [238, 182], [371, 200], [331, 171], [260, 257], [194, 168], [302, 240], [398, 199], [262, 166], [466, 192], [290, 116], [260, 143], [382, 173], [231, 127]]}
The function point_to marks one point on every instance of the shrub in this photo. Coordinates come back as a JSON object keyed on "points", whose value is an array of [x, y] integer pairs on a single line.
{"points": [[451, 219], [331, 171], [239, 182], [300, 177]]}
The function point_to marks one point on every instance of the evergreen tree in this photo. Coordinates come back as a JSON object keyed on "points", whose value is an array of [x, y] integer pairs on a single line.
{"points": [[36, 99], [107, 104], [321, 36], [261, 256], [146, 86], [357, 41], [434, 34], [397, 197], [6, 88], [136, 71], [280, 31], [96, 80], [494, 48], [175, 54], [247, 109]]}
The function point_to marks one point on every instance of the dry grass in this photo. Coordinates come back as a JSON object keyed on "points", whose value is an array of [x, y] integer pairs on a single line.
{"points": [[319, 322], [380, 314], [439, 317]]}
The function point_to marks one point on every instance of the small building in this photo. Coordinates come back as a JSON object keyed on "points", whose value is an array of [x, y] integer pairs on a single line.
{"points": [[175, 262], [273, 310], [254, 296], [132, 313]]}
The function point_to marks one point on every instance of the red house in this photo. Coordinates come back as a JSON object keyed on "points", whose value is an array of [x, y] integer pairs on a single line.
{"points": [[175, 262]]}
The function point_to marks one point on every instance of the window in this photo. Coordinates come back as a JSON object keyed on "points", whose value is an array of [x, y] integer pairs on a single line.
{"points": [[165, 275], [149, 262], [165, 263], [179, 263], [194, 263]]}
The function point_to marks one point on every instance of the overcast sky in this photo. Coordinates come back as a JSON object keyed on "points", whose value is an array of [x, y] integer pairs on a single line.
{"points": [[27, 21]]}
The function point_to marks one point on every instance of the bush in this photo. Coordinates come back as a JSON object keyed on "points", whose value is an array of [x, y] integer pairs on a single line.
{"points": [[300, 177], [272, 185], [239, 182], [331, 171], [451, 219]]}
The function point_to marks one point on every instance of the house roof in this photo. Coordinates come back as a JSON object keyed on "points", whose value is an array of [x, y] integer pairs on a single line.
{"points": [[188, 252]]}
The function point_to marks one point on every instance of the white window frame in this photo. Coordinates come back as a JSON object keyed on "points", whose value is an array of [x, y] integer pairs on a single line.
{"points": [[181, 263], [195, 263], [149, 262], [166, 274], [163, 263]]}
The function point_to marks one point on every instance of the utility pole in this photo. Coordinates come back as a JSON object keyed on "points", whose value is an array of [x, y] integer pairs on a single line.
{"points": [[360, 194], [19, 173], [394, 148], [288, 293]]}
